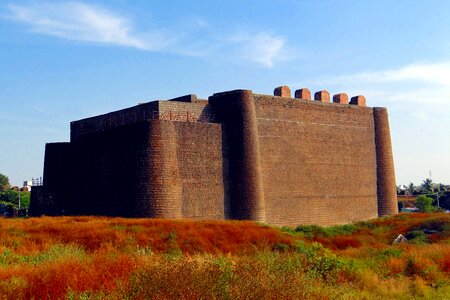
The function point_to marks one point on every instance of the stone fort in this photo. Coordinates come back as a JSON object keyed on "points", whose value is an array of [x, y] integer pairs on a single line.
{"points": [[238, 155]]}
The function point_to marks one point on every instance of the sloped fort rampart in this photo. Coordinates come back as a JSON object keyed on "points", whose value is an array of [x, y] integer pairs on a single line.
{"points": [[237, 155]]}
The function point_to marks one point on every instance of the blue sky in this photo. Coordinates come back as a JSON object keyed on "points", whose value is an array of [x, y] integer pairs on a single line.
{"points": [[62, 61]]}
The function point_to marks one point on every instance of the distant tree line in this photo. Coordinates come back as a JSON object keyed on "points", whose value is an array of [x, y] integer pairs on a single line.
{"points": [[13, 200], [427, 187], [430, 196]]}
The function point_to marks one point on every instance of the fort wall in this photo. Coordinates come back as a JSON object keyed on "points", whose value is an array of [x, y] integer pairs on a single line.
{"points": [[201, 171], [239, 155], [57, 173], [111, 172], [318, 161], [186, 170], [98, 124], [185, 109]]}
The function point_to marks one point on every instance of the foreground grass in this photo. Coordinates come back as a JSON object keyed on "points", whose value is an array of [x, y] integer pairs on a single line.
{"points": [[97, 258]]}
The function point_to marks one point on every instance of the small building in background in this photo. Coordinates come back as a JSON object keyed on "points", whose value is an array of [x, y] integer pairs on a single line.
{"points": [[28, 184]]}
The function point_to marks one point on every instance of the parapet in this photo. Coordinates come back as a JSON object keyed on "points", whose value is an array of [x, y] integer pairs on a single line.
{"points": [[320, 96], [191, 98]]}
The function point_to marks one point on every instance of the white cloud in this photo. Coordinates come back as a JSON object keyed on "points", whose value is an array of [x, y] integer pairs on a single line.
{"points": [[91, 23], [434, 73], [83, 22], [262, 48], [418, 83]]}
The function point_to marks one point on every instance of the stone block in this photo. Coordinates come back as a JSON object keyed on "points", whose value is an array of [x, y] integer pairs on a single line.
{"points": [[303, 93], [322, 96], [341, 98], [282, 91], [358, 100]]}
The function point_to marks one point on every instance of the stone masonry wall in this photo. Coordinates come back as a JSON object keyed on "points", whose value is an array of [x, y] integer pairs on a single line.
{"points": [[318, 161], [110, 172], [57, 174], [186, 173], [195, 111], [200, 161], [156, 168], [98, 124]]}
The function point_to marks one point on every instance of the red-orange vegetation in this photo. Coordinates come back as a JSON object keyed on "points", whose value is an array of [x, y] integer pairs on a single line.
{"points": [[343, 242], [94, 233], [444, 261], [59, 257], [51, 280], [395, 265], [111, 248]]}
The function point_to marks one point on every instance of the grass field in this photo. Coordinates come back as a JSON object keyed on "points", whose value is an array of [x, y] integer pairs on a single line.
{"points": [[116, 258]]}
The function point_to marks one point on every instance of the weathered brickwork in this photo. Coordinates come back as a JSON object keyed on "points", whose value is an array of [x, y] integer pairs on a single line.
{"points": [[200, 167], [238, 155], [317, 160], [188, 108], [236, 111], [304, 94], [385, 164]]}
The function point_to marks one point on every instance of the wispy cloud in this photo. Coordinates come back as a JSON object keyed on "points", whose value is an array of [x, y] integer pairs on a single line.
{"points": [[417, 83], [262, 48], [434, 73], [83, 22]]}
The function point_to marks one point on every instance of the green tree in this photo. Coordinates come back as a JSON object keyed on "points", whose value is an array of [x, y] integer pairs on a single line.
{"points": [[12, 197], [428, 186], [424, 203], [411, 188], [440, 188], [4, 182]]}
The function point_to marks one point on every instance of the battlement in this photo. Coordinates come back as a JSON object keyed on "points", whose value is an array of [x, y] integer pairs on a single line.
{"points": [[238, 155], [321, 96]]}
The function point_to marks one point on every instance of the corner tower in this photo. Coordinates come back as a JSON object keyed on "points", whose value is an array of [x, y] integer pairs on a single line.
{"points": [[236, 111], [386, 187]]}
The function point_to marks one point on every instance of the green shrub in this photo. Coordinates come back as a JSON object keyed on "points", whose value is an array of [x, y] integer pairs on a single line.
{"points": [[424, 204], [346, 229], [281, 247], [309, 231], [321, 263], [417, 237], [288, 230], [390, 252], [366, 224]]}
